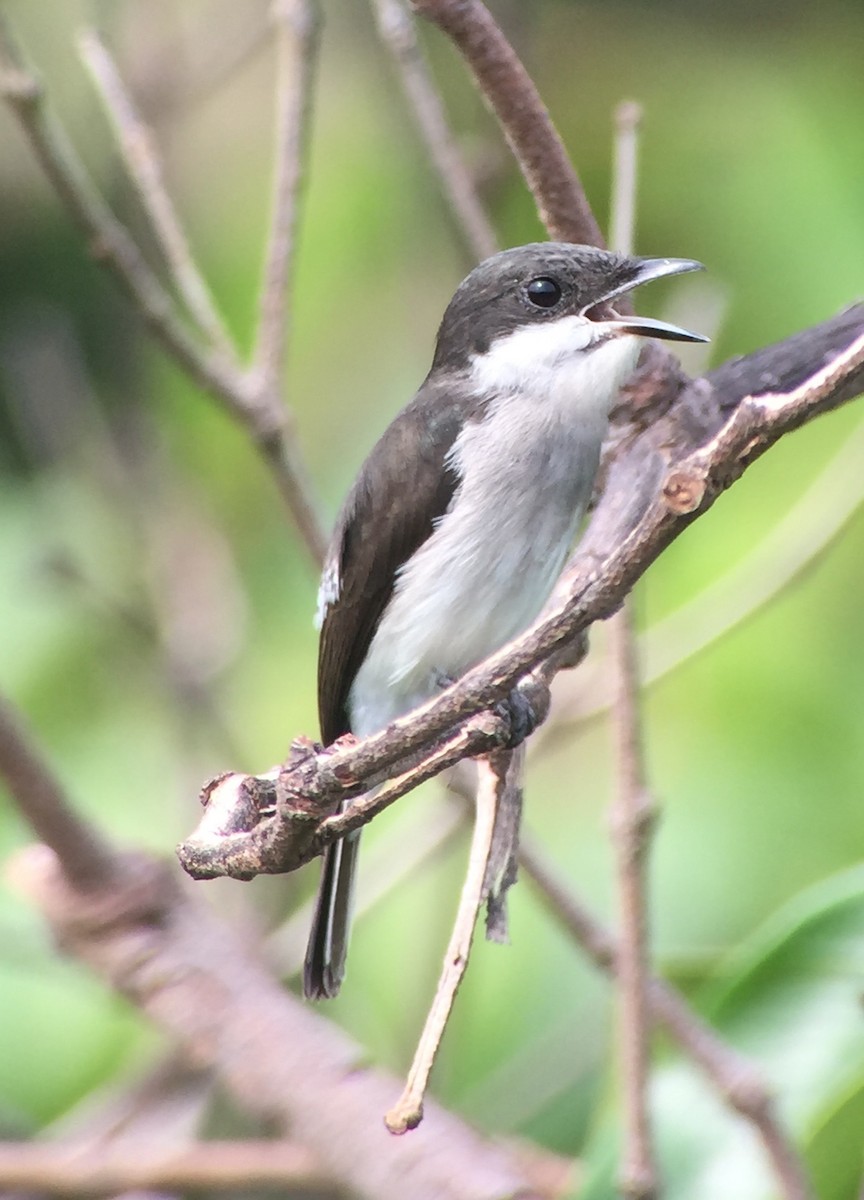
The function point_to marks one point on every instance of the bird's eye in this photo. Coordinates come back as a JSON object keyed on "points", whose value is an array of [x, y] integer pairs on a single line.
{"points": [[543, 292]]}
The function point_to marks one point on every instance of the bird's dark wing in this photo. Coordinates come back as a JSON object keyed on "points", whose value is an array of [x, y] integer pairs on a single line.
{"points": [[379, 528]]}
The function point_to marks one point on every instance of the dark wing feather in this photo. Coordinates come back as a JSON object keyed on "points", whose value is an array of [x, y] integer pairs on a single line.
{"points": [[378, 529]]}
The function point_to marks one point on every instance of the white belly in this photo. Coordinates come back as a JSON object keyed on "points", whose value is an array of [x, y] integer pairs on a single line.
{"points": [[487, 570]]}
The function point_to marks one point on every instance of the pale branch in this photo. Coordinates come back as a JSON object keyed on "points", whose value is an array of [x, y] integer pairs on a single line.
{"points": [[510, 93], [209, 991], [144, 165], [805, 532], [658, 480], [297, 26], [216, 371], [79, 1170], [397, 31], [732, 1076], [631, 810], [407, 1113]]}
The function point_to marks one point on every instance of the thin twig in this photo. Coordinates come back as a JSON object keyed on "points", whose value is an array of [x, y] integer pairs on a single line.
{"points": [[631, 812], [296, 24], [622, 220], [734, 1078], [397, 31], [87, 859], [510, 92], [631, 820], [74, 1170], [260, 412], [407, 1113], [107, 239], [144, 164]]}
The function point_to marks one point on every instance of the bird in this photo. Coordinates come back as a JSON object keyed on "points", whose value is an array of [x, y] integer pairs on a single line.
{"points": [[460, 520]]}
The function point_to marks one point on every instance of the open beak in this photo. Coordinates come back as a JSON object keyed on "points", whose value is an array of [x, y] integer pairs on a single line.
{"points": [[646, 270]]}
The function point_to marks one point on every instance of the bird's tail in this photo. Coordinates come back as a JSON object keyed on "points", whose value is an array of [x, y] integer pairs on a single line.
{"points": [[327, 948]]}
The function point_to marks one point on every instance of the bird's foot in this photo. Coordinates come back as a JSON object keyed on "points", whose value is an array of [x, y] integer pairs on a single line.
{"points": [[518, 710]]}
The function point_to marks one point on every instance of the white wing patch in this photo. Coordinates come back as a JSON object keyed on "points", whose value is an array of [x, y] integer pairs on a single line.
{"points": [[328, 591]]}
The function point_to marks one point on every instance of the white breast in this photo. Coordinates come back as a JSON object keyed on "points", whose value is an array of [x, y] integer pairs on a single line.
{"points": [[527, 471]]}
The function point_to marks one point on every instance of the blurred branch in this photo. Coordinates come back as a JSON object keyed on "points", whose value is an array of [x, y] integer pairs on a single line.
{"points": [[734, 1079], [218, 372], [632, 808], [397, 31], [143, 162], [510, 93], [296, 24], [631, 819], [87, 859], [73, 1170], [659, 480], [207, 989]]}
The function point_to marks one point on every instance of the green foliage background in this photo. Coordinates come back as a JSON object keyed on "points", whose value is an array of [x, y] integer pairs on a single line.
{"points": [[120, 485]]}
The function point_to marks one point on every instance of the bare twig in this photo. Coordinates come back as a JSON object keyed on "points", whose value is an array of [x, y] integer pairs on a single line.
{"points": [[631, 820], [296, 23], [219, 373], [407, 1113], [631, 812], [734, 1078], [397, 31], [106, 238], [510, 92], [74, 1170], [87, 859], [144, 164]]}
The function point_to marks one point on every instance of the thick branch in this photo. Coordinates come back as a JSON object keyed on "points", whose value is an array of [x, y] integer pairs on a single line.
{"points": [[207, 989], [87, 859], [658, 480], [73, 1170], [510, 92]]}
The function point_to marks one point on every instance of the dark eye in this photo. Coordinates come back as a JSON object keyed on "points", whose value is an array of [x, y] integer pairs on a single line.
{"points": [[543, 292]]}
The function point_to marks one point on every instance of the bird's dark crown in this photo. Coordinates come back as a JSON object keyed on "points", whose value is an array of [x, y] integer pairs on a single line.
{"points": [[494, 299]]}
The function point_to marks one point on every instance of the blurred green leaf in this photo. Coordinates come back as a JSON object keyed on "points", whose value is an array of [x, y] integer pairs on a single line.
{"points": [[791, 1000]]}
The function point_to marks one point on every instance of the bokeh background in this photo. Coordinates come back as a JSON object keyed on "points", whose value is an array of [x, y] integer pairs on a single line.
{"points": [[155, 607]]}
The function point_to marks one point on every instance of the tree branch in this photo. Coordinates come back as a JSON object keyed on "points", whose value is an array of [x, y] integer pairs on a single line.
{"points": [[74, 1170], [735, 1079], [658, 480], [407, 1113], [510, 93], [396, 29], [87, 858], [208, 990], [632, 808], [297, 25], [216, 371], [144, 165]]}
